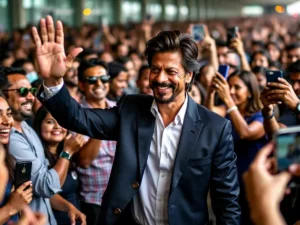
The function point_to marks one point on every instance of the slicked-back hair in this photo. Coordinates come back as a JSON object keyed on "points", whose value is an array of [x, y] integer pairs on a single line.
{"points": [[174, 41], [86, 64]]}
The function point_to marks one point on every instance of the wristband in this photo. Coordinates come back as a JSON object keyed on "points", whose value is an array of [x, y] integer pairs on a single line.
{"points": [[65, 155], [268, 117], [232, 109]]}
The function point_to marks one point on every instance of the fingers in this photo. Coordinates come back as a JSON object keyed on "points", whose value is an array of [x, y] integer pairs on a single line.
{"points": [[36, 37], [262, 155], [206, 32], [50, 29], [59, 33], [294, 169], [281, 84], [23, 186], [283, 178], [82, 219], [220, 76], [69, 136], [72, 55], [44, 30], [72, 218]]}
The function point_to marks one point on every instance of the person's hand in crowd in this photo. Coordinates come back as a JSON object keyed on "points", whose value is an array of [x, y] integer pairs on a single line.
{"points": [[75, 214], [268, 105], [73, 143], [30, 218], [20, 197], [282, 91], [265, 191], [208, 42], [237, 44], [50, 53], [221, 86]]}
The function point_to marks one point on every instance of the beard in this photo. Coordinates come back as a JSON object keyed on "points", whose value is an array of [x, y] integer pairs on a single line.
{"points": [[160, 98]]}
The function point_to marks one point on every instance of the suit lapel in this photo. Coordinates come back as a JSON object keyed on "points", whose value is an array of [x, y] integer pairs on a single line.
{"points": [[191, 129], [146, 122]]}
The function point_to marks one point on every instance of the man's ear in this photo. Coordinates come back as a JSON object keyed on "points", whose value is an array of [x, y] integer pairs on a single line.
{"points": [[189, 77]]}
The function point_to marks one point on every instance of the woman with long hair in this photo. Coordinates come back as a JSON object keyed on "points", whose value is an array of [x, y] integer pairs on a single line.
{"points": [[240, 94], [55, 140], [13, 201]]}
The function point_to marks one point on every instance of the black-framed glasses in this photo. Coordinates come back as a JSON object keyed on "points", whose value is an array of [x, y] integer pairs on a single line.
{"points": [[93, 80], [23, 91]]}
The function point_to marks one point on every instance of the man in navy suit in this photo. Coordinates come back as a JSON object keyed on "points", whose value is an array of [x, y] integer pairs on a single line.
{"points": [[170, 150]]}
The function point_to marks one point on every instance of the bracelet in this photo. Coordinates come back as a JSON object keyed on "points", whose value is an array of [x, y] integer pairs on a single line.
{"points": [[232, 109], [268, 117]]}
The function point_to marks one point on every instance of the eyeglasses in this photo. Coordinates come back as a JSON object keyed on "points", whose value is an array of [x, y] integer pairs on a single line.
{"points": [[93, 80], [23, 91]]}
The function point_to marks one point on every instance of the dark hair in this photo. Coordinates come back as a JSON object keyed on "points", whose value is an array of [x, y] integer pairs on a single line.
{"points": [[273, 43], [143, 67], [4, 83], [9, 160], [115, 68], [12, 70], [173, 41], [259, 43], [275, 64], [259, 69], [123, 60], [293, 68], [86, 64], [262, 52], [292, 46], [20, 62], [86, 52], [221, 43], [254, 104], [37, 124]]}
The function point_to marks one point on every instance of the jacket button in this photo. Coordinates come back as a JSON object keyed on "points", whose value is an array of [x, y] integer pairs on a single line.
{"points": [[135, 185], [117, 211]]}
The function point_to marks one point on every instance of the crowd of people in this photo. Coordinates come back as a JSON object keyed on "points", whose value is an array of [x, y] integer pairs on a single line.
{"points": [[101, 153]]}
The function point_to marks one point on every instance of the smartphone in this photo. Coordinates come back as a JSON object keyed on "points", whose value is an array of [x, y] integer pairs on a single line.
{"points": [[224, 70], [198, 32], [287, 147], [232, 33], [273, 75], [22, 173]]}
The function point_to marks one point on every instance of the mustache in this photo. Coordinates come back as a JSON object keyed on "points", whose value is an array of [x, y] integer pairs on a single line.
{"points": [[29, 101], [163, 85]]}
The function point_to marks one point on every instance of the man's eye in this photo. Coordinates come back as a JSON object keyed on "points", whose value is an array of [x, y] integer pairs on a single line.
{"points": [[154, 70], [172, 72]]}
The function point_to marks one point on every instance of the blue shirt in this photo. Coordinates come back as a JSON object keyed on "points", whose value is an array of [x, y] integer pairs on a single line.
{"points": [[27, 147], [246, 150], [13, 218]]}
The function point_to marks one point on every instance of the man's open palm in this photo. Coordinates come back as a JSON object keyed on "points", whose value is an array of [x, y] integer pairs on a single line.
{"points": [[50, 53]]}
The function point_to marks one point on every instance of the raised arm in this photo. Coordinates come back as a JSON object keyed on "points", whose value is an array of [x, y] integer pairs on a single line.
{"points": [[52, 62]]}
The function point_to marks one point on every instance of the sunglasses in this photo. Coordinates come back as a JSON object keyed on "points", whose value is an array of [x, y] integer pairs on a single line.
{"points": [[23, 91], [93, 80]]}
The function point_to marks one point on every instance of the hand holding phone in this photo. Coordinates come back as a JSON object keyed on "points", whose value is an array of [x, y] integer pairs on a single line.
{"points": [[231, 34], [224, 70], [273, 75], [198, 32], [287, 147], [22, 173]]}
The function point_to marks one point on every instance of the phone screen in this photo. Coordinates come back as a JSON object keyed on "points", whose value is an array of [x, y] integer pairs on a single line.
{"points": [[287, 149], [198, 32], [231, 33]]}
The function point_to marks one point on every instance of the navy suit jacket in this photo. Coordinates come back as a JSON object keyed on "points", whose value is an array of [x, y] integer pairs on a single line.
{"points": [[205, 157]]}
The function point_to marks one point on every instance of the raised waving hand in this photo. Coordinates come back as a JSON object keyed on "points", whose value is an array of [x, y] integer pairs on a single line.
{"points": [[50, 52]]}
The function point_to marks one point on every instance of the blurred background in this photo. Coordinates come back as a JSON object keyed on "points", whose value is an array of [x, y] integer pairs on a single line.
{"points": [[19, 13]]}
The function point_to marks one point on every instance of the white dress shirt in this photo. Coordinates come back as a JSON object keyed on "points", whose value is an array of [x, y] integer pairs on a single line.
{"points": [[150, 205]]}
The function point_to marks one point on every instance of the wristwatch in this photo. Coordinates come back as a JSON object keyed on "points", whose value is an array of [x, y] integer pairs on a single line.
{"points": [[297, 110], [65, 155]]}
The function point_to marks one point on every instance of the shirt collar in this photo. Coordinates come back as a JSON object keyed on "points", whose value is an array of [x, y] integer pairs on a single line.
{"points": [[180, 115]]}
